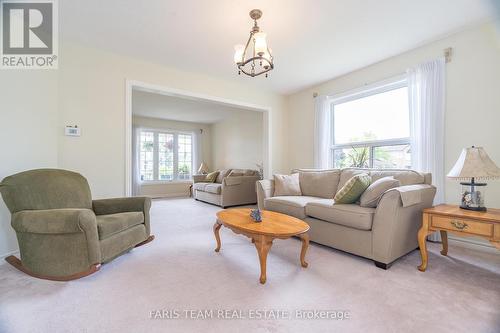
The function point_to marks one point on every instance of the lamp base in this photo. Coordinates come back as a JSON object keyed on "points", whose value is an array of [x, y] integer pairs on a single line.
{"points": [[477, 209]]}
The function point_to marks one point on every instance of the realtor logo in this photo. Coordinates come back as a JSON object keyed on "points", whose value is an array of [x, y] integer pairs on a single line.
{"points": [[29, 34]]}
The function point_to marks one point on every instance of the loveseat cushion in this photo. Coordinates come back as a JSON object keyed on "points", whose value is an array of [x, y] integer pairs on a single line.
{"points": [[200, 186], [108, 225], [290, 205], [321, 184], [349, 215], [213, 188]]}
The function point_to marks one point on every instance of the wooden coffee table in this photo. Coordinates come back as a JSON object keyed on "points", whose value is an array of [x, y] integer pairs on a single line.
{"points": [[274, 225]]}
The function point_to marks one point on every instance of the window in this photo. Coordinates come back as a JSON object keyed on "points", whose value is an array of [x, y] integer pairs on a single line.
{"points": [[372, 128], [165, 156]]}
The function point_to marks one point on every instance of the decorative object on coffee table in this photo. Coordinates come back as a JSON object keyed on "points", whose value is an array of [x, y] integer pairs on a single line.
{"points": [[450, 218], [256, 216], [474, 164], [274, 225]]}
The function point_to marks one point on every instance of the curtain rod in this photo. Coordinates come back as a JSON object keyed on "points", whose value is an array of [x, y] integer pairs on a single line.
{"points": [[448, 52]]}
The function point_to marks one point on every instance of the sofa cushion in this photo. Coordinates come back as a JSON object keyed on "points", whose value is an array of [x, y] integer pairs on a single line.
{"points": [[374, 192], [348, 173], [405, 177], [321, 184], [353, 189], [222, 174], [349, 215], [108, 225], [290, 205], [200, 186], [286, 185], [213, 188]]}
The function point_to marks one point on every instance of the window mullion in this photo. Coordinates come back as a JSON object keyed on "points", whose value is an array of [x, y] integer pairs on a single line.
{"points": [[156, 159], [372, 151], [176, 156]]}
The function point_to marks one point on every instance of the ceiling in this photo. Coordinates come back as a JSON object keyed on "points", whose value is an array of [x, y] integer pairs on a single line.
{"points": [[155, 105], [312, 40]]}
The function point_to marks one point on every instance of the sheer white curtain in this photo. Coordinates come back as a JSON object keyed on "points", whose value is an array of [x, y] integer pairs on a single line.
{"points": [[136, 171], [197, 150], [426, 93], [322, 132]]}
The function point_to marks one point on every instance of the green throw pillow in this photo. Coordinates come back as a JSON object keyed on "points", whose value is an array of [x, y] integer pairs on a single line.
{"points": [[353, 188], [211, 177]]}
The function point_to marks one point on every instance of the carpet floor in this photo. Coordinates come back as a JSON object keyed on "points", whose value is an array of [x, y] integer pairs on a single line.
{"points": [[178, 283]]}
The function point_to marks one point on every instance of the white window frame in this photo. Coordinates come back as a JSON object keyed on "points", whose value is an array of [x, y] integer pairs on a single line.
{"points": [[156, 156], [366, 91]]}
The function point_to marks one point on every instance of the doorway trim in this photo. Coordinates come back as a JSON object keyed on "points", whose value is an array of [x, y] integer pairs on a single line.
{"points": [[130, 85]]}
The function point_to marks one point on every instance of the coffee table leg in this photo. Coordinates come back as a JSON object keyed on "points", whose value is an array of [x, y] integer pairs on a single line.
{"points": [[263, 245], [217, 226], [305, 244]]}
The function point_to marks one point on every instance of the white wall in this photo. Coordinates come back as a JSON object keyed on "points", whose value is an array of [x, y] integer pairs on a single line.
{"points": [[28, 118], [175, 189], [472, 100], [92, 95], [237, 142]]}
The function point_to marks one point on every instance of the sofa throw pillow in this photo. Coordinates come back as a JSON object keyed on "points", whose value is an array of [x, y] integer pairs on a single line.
{"points": [[374, 192], [353, 189], [211, 177], [222, 174], [286, 185], [236, 173]]}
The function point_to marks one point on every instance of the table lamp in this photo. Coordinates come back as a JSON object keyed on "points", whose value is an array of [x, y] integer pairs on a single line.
{"points": [[474, 164], [203, 169]]}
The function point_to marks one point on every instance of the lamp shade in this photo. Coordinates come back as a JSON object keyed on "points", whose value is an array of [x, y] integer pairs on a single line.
{"points": [[474, 162], [203, 169]]}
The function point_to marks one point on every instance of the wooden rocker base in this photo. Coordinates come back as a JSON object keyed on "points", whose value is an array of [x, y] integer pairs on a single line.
{"points": [[14, 261], [148, 240]]}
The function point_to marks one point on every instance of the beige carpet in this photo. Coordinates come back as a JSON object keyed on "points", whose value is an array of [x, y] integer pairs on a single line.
{"points": [[180, 271]]}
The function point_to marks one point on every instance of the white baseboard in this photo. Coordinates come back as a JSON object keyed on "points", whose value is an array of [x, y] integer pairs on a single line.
{"points": [[170, 195], [473, 243]]}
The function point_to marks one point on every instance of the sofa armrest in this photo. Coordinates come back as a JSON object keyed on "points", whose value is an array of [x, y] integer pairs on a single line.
{"points": [[265, 189], [238, 190], [122, 205], [395, 226], [199, 178]]}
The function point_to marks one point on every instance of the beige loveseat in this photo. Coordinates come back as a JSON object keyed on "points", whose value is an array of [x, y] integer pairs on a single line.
{"points": [[229, 189], [382, 234]]}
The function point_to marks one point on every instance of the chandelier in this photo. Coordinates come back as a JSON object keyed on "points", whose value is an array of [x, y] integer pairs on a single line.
{"points": [[255, 57]]}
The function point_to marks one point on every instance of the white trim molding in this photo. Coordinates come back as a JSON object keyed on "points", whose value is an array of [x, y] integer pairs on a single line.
{"points": [[130, 85]]}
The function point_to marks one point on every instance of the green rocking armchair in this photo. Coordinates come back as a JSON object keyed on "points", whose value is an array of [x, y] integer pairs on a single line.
{"points": [[62, 233]]}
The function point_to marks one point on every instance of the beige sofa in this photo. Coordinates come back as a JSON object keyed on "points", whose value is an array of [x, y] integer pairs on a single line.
{"points": [[228, 189], [382, 234]]}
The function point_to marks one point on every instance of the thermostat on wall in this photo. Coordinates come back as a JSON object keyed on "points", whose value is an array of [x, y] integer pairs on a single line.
{"points": [[72, 131]]}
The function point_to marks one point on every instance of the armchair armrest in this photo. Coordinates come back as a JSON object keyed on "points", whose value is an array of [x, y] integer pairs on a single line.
{"points": [[395, 225], [265, 189], [50, 239], [55, 221], [199, 178], [123, 205]]}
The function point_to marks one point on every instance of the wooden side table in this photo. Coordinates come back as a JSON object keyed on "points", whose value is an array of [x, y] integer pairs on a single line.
{"points": [[451, 218]]}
